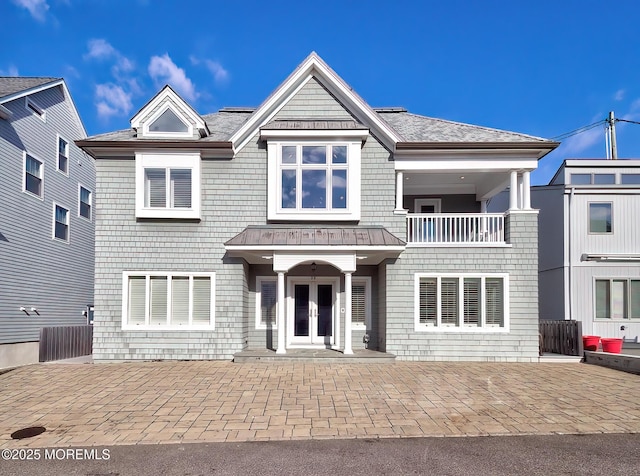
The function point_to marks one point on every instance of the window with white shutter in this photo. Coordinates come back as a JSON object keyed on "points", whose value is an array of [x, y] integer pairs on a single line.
{"points": [[168, 186], [169, 301], [266, 302], [361, 302], [461, 303]]}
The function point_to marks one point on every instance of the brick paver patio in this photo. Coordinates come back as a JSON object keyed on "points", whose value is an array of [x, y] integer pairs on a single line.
{"points": [[171, 402]]}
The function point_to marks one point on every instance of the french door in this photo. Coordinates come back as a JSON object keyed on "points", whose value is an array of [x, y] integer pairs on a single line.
{"points": [[311, 319]]}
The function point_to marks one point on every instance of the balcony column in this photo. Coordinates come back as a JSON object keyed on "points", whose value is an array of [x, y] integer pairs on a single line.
{"points": [[281, 324], [483, 206], [399, 191], [347, 313], [513, 191], [526, 190], [520, 192]]}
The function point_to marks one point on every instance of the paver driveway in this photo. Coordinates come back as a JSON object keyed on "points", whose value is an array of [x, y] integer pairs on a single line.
{"points": [[164, 402]]}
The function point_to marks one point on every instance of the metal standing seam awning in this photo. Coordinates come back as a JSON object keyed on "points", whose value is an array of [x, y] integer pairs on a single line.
{"points": [[371, 244]]}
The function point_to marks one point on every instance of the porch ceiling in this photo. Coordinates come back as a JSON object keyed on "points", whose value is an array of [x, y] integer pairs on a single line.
{"points": [[483, 184]]}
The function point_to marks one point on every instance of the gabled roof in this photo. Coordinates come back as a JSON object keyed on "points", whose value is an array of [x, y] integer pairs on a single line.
{"points": [[12, 86], [314, 67], [15, 87]]}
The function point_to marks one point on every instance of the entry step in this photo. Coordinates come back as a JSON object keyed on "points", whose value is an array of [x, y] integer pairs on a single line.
{"points": [[314, 355]]}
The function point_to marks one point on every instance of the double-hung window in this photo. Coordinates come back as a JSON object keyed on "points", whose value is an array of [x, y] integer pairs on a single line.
{"points": [[33, 171], [168, 186], [60, 223], [617, 298], [84, 203], [168, 301], [465, 302], [314, 180], [63, 156]]}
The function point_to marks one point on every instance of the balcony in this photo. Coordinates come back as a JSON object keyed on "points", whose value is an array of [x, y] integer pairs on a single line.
{"points": [[471, 229]]}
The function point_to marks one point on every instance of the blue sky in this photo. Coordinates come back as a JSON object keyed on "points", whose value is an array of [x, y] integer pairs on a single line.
{"points": [[538, 67]]}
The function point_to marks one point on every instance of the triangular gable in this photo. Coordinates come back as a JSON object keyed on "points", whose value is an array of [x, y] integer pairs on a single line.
{"points": [[168, 99], [314, 67]]}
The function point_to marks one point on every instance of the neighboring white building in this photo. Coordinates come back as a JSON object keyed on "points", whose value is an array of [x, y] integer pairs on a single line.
{"points": [[46, 218], [589, 245]]}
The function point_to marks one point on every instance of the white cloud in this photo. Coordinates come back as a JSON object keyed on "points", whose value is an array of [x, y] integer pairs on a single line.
{"points": [[163, 70], [37, 8], [219, 73], [100, 48], [619, 95], [12, 71], [574, 146], [112, 100]]}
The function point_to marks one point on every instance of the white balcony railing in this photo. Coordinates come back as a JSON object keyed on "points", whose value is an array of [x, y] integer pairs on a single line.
{"points": [[468, 228]]}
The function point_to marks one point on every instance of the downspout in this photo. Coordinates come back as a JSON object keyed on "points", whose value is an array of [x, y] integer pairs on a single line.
{"points": [[569, 251]]}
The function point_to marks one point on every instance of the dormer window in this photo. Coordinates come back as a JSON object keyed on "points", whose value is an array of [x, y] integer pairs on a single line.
{"points": [[168, 122]]}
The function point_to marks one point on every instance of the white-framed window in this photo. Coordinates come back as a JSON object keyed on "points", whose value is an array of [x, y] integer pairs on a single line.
{"points": [[60, 223], [617, 298], [427, 205], [311, 180], [84, 202], [600, 217], [63, 155], [462, 302], [266, 302], [361, 302], [168, 301], [32, 107], [593, 179], [168, 185], [167, 122], [33, 181]]}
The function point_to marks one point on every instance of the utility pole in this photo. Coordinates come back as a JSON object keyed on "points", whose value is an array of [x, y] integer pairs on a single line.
{"points": [[612, 132]]}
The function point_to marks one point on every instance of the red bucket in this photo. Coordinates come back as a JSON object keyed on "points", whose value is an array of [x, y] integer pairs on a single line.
{"points": [[612, 345], [590, 342]]}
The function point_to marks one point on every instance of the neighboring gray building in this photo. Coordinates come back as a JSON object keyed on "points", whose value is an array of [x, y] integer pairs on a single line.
{"points": [[589, 258], [313, 221], [47, 215]]}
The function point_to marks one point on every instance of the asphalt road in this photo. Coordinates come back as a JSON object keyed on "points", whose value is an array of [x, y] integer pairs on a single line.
{"points": [[602, 454]]}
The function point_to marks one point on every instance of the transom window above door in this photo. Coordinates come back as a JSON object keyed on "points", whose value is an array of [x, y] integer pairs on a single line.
{"points": [[312, 181]]}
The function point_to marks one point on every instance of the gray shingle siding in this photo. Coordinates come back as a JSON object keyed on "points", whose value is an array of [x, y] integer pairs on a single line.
{"points": [[38, 271]]}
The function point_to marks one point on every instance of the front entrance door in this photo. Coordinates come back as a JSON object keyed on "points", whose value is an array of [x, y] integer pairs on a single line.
{"points": [[311, 315]]}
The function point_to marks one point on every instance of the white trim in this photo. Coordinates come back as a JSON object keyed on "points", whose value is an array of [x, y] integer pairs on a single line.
{"points": [[24, 175], [331, 134], [461, 329], [161, 110], [313, 66], [148, 327], [274, 183], [258, 298], [480, 163], [436, 202], [80, 187], [366, 280], [314, 248], [57, 155], [286, 261], [33, 107], [181, 160], [53, 230]]}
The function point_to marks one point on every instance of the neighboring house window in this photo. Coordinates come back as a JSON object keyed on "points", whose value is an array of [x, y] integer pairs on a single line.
{"points": [[600, 218], [60, 223], [314, 181], [361, 302], [35, 109], [580, 179], [63, 156], [617, 298], [33, 169], [84, 208], [266, 303], [461, 302], [630, 179], [168, 186], [168, 301], [593, 179]]}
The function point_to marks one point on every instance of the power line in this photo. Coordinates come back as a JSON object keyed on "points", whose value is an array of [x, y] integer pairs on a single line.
{"points": [[578, 131], [626, 120]]}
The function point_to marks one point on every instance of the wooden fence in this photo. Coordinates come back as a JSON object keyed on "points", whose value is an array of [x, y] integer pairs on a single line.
{"points": [[65, 342], [561, 337]]}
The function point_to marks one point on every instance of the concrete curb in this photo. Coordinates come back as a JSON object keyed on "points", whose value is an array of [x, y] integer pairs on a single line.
{"points": [[624, 362]]}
